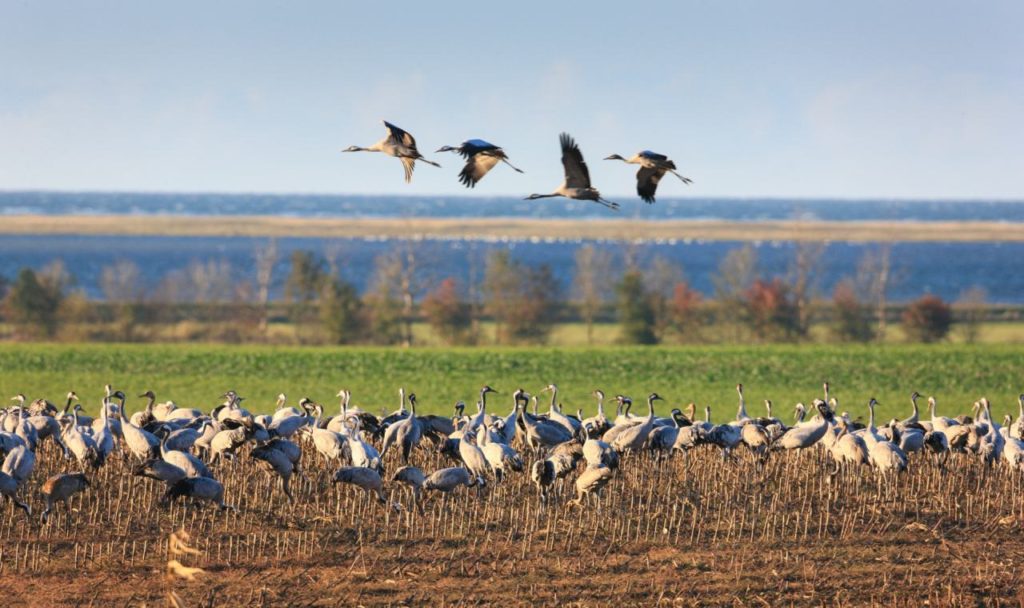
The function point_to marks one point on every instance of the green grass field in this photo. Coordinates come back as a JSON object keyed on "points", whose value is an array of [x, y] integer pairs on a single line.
{"points": [[196, 375]]}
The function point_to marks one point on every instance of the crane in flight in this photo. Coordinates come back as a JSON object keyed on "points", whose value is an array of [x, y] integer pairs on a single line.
{"points": [[401, 145], [653, 167], [577, 177], [481, 156]]}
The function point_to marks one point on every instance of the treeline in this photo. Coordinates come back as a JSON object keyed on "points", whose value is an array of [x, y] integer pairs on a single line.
{"points": [[508, 303]]}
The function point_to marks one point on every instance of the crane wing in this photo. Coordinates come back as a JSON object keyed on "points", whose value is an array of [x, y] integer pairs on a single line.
{"points": [[409, 164], [576, 173], [477, 167], [647, 183], [399, 136]]}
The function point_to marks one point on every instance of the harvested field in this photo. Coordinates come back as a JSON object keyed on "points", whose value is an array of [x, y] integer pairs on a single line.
{"points": [[692, 530]]}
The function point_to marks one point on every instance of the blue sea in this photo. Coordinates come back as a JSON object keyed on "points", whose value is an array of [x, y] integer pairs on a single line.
{"points": [[945, 269]]}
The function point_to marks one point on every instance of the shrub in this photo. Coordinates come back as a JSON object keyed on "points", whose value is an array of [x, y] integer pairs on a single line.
{"points": [[771, 311], [927, 319], [521, 299], [340, 312], [684, 309], [853, 317], [33, 304], [636, 315], [449, 315]]}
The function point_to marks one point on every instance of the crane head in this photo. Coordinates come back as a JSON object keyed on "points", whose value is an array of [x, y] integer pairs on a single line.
{"points": [[448, 149], [352, 149]]}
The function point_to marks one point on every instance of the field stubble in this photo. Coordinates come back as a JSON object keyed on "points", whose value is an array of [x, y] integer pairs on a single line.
{"points": [[692, 530]]}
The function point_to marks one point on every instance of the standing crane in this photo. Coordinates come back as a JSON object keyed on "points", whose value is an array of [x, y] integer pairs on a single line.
{"points": [[481, 156], [405, 434], [401, 145], [367, 479], [634, 437], [60, 488], [577, 177], [653, 167]]}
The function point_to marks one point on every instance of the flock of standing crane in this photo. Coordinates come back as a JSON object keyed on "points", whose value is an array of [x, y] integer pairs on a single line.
{"points": [[182, 447], [482, 156]]}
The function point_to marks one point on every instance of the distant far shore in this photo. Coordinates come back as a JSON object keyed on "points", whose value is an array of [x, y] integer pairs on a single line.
{"points": [[613, 228]]}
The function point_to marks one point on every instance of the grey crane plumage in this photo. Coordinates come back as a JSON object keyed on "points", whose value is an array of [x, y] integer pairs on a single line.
{"points": [[635, 437], [81, 445], [192, 466], [22, 427], [19, 464], [448, 479], [140, 442], [199, 488], [328, 443], [405, 433], [544, 433], [481, 156], [577, 184], [590, 482], [160, 470], [276, 461], [366, 478], [653, 167], [414, 478], [501, 457], [9, 488], [399, 144], [597, 452], [184, 438], [1016, 430]]}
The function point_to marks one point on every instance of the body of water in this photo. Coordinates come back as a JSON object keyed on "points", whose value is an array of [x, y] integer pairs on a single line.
{"points": [[59, 203], [942, 269], [918, 268]]}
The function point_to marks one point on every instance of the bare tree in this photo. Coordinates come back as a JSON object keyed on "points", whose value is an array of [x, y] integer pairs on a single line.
{"points": [[661, 278], [736, 274], [807, 261], [473, 293], [591, 284], [500, 288], [121, 287], [971, 306], [211, 281], [874, 274], [266, 259], [394, 294]]}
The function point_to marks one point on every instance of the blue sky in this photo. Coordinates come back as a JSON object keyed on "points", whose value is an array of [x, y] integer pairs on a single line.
{"points": [[914, 99]]}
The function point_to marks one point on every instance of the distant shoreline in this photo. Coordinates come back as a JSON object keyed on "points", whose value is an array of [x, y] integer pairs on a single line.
{"points": [[616, 229]]}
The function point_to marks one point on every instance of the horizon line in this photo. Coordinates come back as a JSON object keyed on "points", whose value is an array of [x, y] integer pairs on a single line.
{"points": [[782, 198]]}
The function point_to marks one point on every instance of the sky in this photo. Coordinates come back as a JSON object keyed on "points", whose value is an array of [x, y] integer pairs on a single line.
{"points": [[911, 99]]}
